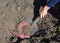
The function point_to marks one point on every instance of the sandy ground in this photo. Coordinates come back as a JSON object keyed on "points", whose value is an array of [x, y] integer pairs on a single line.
{"points": [[14, 11]]}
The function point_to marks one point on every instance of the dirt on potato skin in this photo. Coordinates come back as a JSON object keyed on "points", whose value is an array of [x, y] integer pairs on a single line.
{"points": [[14, 11]]}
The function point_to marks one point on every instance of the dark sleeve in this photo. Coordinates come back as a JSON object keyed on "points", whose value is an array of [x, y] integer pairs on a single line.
{"points": [[51, 3]]}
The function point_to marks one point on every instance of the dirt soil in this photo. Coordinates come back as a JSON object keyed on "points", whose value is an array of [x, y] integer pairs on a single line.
{"points": [[13, 12]]}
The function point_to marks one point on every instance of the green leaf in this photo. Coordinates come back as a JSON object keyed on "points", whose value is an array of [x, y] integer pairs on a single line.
{"points": [[43, 42], [59, 28]]}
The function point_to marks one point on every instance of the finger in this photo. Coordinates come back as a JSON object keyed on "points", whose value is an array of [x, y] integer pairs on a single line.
{"points": [[44, 15], [41, 16]]}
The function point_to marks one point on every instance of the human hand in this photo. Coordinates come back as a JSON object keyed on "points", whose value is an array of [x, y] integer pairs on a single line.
{"points": [[43, 11]]}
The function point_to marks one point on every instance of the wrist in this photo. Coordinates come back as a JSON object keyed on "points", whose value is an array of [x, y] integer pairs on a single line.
{"points": [[46, 8]]}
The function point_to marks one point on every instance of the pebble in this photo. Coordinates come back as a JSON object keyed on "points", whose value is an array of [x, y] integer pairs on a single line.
{"points": [[18, 8]]}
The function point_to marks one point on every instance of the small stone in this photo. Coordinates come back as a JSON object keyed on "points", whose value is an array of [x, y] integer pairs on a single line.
{"points": [[18, 8], [14, 40], [2, 14], [52, 42], [25, 41]]}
